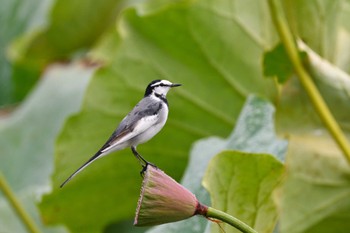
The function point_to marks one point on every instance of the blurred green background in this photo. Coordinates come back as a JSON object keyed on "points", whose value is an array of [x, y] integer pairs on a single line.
{"points": [[71, 70]]}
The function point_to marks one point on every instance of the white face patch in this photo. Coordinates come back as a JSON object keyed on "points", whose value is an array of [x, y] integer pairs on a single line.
{"points": [[162, 90]]}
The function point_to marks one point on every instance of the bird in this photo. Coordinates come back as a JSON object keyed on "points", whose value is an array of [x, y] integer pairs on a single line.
{"points": [[141, 124]]}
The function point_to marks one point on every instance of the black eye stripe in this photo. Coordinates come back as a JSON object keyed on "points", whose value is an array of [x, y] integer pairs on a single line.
{"points": [[161, 85]]}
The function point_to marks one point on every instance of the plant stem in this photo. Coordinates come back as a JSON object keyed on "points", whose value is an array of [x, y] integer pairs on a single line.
{"points": [[28, 222], [217, 214], [305, 79]]}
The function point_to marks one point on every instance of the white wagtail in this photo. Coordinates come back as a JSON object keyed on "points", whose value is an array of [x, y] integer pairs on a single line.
{"points": [[140, 125]]}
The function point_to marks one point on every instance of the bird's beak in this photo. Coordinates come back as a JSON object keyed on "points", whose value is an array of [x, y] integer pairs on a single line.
{"points": [[176, 85]]}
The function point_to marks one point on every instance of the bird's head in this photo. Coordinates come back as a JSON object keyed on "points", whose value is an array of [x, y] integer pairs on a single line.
{"points": [[160, 87]]}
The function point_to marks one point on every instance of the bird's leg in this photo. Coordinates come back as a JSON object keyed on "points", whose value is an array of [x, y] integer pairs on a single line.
{"points": [[138, 156], [144, 163]]}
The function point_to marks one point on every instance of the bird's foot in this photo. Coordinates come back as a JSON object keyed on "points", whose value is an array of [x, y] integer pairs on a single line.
{"points": [[144, 168]]}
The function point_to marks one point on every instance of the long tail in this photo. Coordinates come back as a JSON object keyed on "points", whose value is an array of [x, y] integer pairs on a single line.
{"points": [[93, 158]]}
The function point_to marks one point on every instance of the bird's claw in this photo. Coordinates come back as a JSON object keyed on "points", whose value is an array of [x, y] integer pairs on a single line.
{"points": [[144, 168]]}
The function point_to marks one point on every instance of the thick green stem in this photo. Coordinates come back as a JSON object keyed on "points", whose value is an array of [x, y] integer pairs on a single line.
{"points": [[305, 79], [217, 214], [28, 222]]}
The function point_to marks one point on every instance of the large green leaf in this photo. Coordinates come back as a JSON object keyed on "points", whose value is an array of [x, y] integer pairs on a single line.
{"points": [[242, 185], [167, 43], [316, 190], [333, 83], [325, 39], [27, 139], [320, 31], [16, 17], [81, 25], [311, 200], [66, 28], [254, 132]]}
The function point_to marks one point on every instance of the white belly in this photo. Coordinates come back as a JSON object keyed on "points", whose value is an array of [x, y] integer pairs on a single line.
{"points": [[154, 129]]}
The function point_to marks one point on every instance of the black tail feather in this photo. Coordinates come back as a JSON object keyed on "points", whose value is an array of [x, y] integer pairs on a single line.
{"points": [[93, 158]]}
